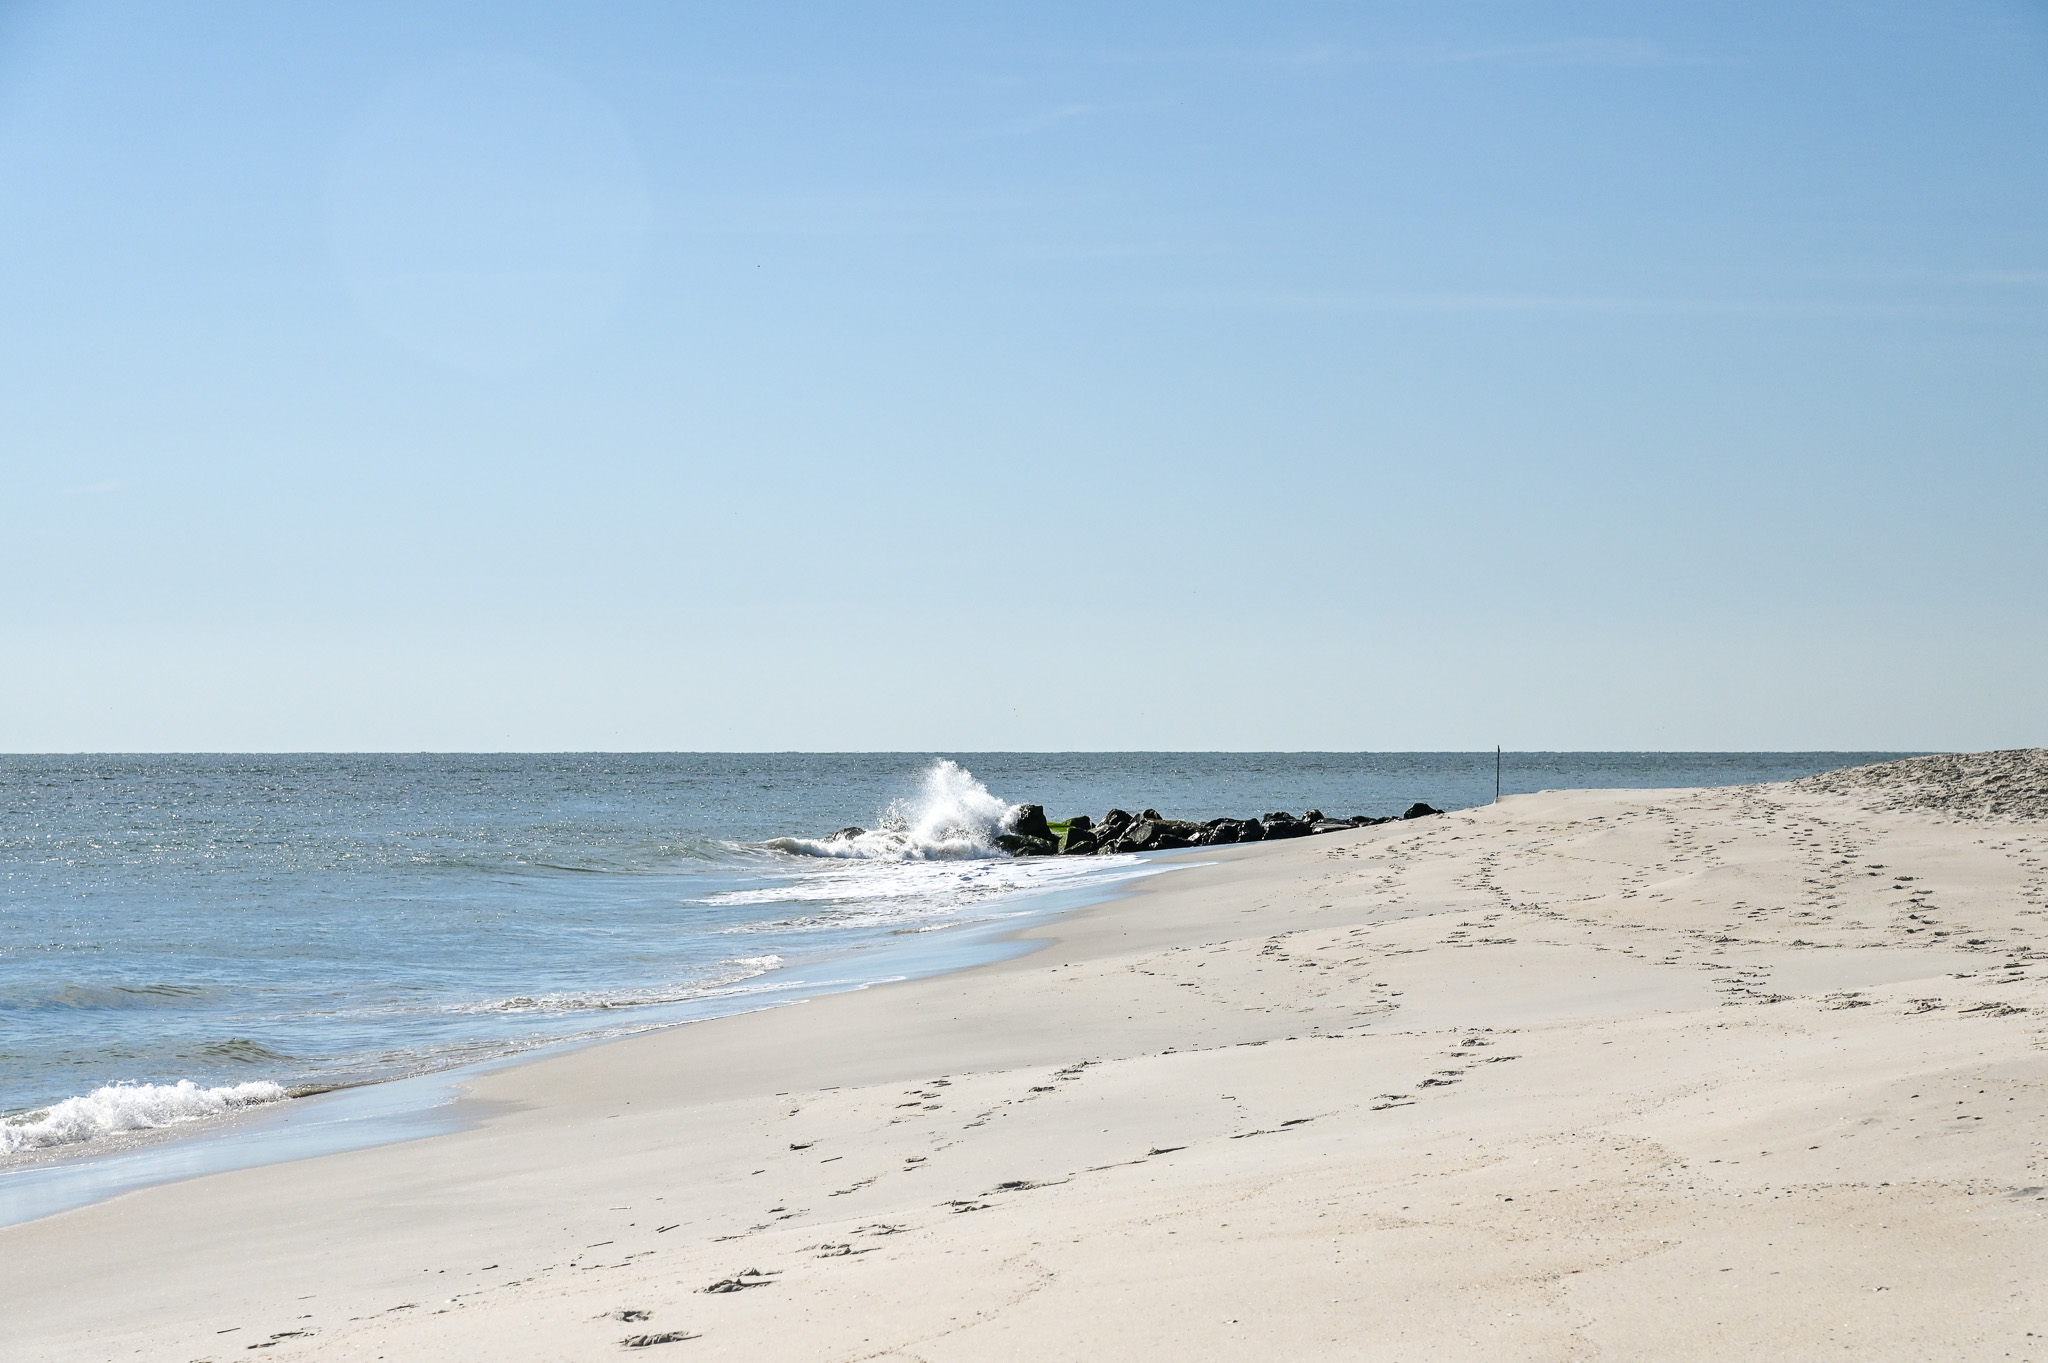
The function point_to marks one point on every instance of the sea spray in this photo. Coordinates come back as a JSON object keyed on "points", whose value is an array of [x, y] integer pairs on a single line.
{"points": [[128, 1107], [953, 817]]}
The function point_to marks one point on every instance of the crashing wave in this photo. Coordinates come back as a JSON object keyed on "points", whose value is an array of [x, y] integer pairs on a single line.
{"points": [[953, 818], [128, 1107]]}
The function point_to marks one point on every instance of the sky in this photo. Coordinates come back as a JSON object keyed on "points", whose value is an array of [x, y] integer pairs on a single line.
{"points": [[929, 377]]}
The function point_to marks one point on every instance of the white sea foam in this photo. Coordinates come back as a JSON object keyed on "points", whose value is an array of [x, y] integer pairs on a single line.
{"points": [[867, 894], [128, 1107], [736, 972], [953, 818]]}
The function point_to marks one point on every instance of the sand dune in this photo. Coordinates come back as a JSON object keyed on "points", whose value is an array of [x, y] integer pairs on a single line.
{"points": [[1748, 1073]]}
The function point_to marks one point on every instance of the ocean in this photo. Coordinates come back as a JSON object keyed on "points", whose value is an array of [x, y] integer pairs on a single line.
{"points": [[188, 936]]}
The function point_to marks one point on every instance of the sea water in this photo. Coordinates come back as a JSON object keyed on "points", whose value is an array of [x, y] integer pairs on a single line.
{"points": [[189, 937]]}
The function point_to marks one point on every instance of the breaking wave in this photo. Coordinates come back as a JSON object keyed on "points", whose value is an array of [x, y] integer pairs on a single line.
{"points": [[128, 1107], [951, 819], [932, 863]]}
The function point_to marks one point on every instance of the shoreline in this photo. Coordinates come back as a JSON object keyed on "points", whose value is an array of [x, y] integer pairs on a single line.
{"points": [[1520, 1081], [238, 1027], [374, 1112]]}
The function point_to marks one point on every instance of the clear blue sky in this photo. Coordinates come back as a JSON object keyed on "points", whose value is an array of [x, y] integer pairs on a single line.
{"points": [[954, 376]]}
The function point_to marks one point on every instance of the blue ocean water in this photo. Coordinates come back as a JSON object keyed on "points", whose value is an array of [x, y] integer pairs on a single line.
{"points": [[181, 935]]}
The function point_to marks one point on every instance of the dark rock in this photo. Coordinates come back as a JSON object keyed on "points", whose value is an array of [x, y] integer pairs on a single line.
{"points": [[1029, 822], [1281, 824], [1025, 845], [1419, 810], [1030, 834], [1077, 842], [1142, 836], [1156, 835], [847, 835]]}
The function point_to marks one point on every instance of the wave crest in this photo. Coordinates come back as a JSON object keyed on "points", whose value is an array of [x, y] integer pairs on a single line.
{"points": [[128, 1107], [952, 818]]}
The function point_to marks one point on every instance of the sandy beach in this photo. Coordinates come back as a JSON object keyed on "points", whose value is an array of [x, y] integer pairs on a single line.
{"points": [[1753, 1072]]}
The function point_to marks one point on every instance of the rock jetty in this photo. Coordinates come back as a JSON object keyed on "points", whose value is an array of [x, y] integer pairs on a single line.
{"points": [[1031, 834]]}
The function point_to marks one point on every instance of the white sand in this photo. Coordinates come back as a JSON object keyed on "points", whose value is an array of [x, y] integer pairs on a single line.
{"points": [[1752, 1073]]}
